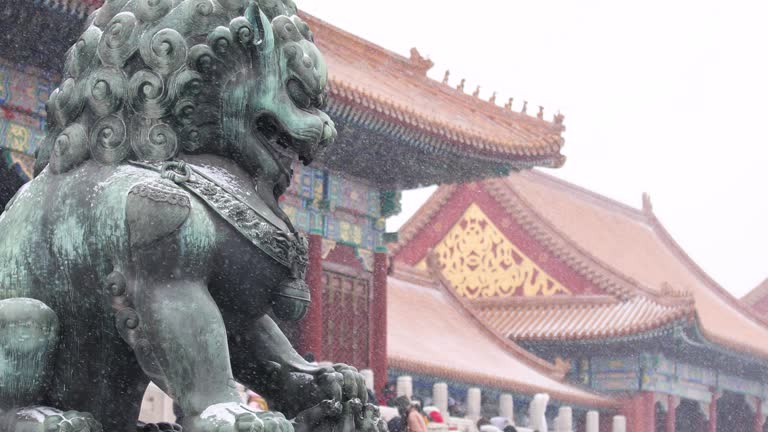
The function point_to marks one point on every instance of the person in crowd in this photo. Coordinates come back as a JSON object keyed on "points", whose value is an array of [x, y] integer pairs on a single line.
{"points": [[372, 396], [453, 408], [510, 428], [395, 424], [409, 412], [500, 422], [434, 414], [482, 421], [485, 425], [419, 405], [489, 428], [388, 395]]}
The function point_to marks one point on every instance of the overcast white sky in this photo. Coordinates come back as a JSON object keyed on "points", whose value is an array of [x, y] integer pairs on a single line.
{"points": [[664, 97]]}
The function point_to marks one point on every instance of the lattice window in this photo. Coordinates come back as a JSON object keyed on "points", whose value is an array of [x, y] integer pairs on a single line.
{"points": [[346, 311]]}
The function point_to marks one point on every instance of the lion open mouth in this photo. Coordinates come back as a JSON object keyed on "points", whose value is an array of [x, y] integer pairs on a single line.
{"points": [[275, 137], [288, 146]]}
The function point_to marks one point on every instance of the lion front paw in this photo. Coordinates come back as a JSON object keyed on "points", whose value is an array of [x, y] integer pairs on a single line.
{"points": [[275, 422], [234, 417], [71, 421]]}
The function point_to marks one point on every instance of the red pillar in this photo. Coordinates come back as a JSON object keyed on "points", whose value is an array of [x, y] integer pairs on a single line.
{"points": [[648, 422], [672, 402], [712, 425], [640, 411], [378, 339], [312, 327], [757, 424]]}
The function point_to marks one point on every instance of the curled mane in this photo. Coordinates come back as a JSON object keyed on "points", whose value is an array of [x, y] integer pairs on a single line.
{"points": [[145, 79]]}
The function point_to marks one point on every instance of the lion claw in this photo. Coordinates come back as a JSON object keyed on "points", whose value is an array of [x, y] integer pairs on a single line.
{"points": [[275, 422], [71, 421], [247, 422], [159, 427]]}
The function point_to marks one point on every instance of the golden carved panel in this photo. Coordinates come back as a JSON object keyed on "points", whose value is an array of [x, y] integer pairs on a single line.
{"points": [[480, 261]]}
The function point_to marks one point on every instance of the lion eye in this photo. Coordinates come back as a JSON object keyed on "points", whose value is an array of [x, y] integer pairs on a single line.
{"points": [[298, 95]]}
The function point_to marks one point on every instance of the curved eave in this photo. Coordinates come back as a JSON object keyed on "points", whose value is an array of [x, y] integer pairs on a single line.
{"points": [[640, 330], [351, 103], [495, 382], [640, 333]]}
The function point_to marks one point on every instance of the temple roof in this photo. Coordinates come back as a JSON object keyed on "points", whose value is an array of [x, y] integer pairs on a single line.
{"points": [[432, 331], [398, 128], [635, 277], [396, 90]]}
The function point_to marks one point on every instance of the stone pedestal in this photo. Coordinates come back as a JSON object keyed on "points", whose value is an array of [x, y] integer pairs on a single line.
{"points": [[405, 386], [368, 376], [564, 420], [507, 407], [619, 424], [474, 403], [537, 411], [440, 397], [593, 421]]}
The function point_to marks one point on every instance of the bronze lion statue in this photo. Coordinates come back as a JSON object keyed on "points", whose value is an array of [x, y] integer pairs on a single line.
{"points": [[150, 245]]}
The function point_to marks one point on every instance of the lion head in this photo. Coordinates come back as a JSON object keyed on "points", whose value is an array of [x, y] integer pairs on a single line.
{"points": [[149, 79]]}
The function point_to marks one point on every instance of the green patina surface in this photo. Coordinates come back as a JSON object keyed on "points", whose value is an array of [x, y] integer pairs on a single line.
{"points": [[112, 274]]}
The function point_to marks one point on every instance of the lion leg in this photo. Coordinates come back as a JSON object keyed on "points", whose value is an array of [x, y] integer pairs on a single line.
{"points": [[29, 333], [187, 341]]}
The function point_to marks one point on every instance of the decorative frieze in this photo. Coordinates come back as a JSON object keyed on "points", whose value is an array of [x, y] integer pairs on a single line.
{"points": [[343, 210], [479, 261]]}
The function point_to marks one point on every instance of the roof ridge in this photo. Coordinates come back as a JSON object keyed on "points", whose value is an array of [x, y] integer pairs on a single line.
{"points": [[419, 66], [413, 274], [423, 215], [756, 294], [709, 282], [668, 297], [540, 301], [506, 186], [503, 111], [485, 145], [638, 214], [315, 21]]}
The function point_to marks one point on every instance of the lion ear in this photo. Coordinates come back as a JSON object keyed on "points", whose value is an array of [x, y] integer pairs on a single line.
{"points": [[265, 42]]}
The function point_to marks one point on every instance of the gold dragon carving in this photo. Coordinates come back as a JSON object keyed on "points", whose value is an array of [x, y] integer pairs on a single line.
{"points": [[480, 261]]}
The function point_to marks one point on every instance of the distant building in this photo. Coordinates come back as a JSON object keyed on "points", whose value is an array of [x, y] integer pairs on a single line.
{"points": [[584, 281]]}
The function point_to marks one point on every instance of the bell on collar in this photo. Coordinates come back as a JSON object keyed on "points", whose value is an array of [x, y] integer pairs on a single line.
{"points": [[291, 300]]}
